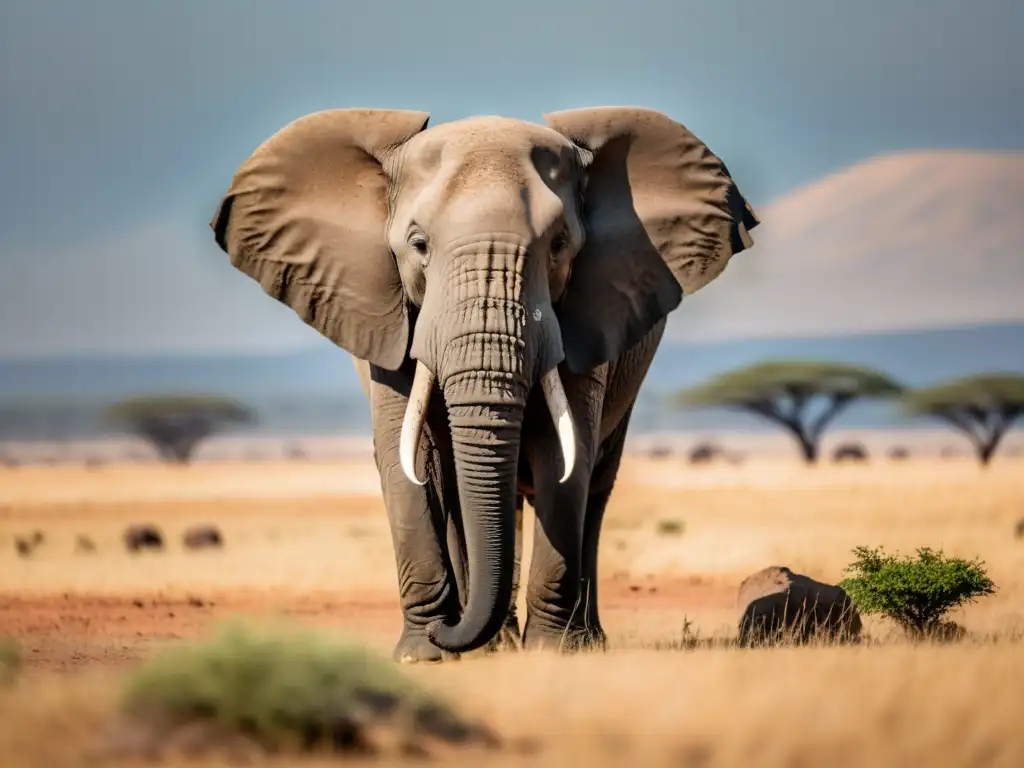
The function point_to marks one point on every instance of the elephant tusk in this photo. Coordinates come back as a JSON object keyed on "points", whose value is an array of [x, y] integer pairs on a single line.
{"points": [[412, 425], [558, 404]]}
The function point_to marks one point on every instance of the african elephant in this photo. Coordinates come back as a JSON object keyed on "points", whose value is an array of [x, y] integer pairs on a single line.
{"points": [[503, 287]]}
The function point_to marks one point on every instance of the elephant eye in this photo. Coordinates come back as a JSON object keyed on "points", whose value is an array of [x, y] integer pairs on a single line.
{"points": [[419, 243], [559, 243]]}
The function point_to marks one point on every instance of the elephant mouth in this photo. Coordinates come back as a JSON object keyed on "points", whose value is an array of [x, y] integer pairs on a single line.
{"points": [[419, 399]]}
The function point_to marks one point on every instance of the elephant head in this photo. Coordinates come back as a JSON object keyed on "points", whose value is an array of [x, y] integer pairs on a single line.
{"points": [[489, 250]]}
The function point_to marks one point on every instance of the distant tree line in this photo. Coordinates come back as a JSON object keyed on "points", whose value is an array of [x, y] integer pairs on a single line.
{"points": [[804, 398]]}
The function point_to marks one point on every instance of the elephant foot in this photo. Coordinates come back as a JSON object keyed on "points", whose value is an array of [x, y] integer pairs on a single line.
{"points": [[508, 638], [569, 640], [416, 648]]}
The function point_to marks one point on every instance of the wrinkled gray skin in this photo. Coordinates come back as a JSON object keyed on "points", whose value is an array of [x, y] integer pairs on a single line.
{"points": [[489, 251]]}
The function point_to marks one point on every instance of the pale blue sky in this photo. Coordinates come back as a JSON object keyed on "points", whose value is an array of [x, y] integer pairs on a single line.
{"points": [[123, 121]]}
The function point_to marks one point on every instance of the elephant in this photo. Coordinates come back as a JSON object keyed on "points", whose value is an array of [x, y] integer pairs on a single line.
{"points": [[502, 287]]}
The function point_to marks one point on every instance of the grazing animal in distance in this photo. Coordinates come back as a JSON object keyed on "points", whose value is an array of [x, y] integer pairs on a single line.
{"points": [[143, 536], [202, 537]]}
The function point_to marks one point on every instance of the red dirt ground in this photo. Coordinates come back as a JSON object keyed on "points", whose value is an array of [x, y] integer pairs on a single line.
{"points": [[70, 631]]}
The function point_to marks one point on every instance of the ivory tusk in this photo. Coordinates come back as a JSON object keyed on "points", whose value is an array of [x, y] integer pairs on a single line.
{"points": [[558, 404], [412, 425]]}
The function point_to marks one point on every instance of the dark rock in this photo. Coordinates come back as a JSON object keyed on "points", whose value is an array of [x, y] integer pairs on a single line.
{"points": [[704, 453], [202, 537], [779, 605], [850, 452], [143, 536]]}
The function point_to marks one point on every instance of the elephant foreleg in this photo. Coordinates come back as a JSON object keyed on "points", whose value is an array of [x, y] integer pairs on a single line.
{"points": [[426, 580], [601, 484], [556, 606]]}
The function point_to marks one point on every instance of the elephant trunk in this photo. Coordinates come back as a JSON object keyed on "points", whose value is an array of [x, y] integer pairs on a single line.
{"points": [[485, 439], [486, 347]]}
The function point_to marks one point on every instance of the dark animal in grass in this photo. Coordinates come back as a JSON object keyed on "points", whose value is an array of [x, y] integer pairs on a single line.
{"points": [[850, 452], [84, 544], [1018, 529], [202, 537], [143, 536], [899, 453]]}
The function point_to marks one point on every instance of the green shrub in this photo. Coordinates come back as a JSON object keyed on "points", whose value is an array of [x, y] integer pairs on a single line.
{"points": [[914, 592], [287, 688], [10, 660], [671, 527]]}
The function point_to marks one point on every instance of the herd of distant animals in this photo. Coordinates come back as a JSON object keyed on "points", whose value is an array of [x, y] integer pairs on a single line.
{"points": [[205, 536], [135, 538]]}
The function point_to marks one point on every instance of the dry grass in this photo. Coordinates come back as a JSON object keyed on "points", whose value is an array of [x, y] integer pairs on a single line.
{"points": [[312, 540]]}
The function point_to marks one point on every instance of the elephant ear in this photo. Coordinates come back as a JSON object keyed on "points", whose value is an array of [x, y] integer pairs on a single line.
{"points": [[306, 217], [662, 218]]}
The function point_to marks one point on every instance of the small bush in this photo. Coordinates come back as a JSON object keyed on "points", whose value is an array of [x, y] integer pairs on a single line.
{"points": [[10, 660], [916, 592], [671, 527], [290, 688]]}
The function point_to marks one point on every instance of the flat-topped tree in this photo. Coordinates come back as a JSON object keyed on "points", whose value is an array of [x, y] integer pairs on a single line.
{"points": [[983, 407], [801, 396], [176, 424]]}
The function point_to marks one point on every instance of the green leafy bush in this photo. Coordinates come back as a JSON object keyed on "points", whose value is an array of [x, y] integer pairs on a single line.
{"points": [[914, 592], [288, 688]]}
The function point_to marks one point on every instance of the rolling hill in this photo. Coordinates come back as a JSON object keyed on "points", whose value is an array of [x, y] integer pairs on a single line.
{"points": [[902, 242]]}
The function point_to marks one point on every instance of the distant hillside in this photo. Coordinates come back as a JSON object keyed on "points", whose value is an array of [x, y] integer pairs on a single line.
{"points": [[910, 241]]}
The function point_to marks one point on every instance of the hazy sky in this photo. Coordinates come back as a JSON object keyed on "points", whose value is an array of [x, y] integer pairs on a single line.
{"points": [[123, 121]]}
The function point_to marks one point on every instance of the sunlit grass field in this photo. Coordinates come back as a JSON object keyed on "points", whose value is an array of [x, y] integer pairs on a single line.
{"points": [[310, 541]]}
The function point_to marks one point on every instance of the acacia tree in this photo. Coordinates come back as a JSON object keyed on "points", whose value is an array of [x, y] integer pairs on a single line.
{"points": [[802, 397], [176, 424], [983, 407]]}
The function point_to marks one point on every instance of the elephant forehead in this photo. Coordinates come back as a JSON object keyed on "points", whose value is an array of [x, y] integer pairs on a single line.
{"points": [[487, 137]]}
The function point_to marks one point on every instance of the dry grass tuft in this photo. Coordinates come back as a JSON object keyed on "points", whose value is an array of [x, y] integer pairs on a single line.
{"points": [[278, 689]]}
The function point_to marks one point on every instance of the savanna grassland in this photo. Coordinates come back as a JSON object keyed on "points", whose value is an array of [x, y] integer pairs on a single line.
{"points": [[310, 541]]}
